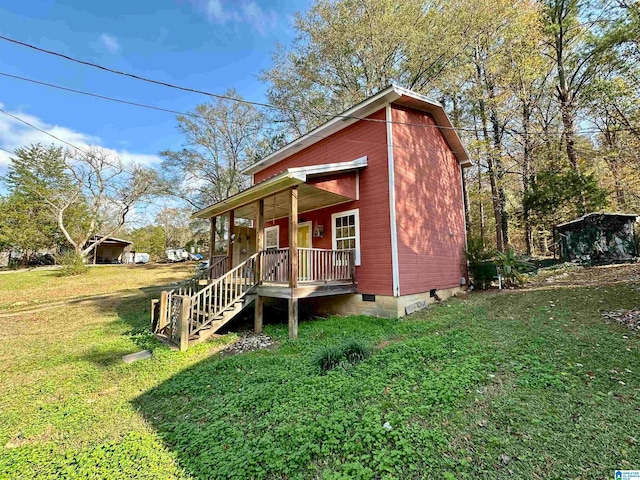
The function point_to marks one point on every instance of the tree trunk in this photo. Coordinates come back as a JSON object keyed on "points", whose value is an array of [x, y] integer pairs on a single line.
{"points": [[526, 177], [568, 123], [502, 198], [495, 197]]}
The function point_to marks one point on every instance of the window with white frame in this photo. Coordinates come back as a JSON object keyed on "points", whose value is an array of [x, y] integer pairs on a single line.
{"points": [[345, 230], [272, 237]]}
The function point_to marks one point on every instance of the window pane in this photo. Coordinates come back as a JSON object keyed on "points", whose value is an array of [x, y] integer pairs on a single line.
{"points": [[352, 243], [338, 221], [352, 231], [352, 220]]}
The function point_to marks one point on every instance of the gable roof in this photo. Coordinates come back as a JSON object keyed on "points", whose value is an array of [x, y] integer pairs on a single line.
{"points": [[391, 94]]}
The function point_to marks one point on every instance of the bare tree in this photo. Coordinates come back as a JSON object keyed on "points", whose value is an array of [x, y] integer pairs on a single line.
{"points": [[81, 190]]}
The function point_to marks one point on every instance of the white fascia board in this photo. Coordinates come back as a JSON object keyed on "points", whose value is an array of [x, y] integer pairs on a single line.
{"points": [[329, 167], [360, 110]]}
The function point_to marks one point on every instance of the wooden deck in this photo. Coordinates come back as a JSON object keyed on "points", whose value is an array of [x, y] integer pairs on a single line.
{"points": [[306, 289]]}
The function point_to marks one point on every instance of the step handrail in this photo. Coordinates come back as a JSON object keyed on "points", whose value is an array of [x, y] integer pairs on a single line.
{"points": [[222, 293]]}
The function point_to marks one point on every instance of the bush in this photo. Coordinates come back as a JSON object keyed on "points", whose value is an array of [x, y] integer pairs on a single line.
{"points": [[72, 264], [512, 266], [479, 260], [343, 355]]}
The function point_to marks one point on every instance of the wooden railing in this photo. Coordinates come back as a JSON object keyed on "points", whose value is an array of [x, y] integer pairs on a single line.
{"points": [[314, 265], [317, 265], [221, 294], [218, 266], [275, 265]]}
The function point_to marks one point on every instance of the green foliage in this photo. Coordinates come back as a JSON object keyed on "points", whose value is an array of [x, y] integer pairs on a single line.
{"points": [[556, 195], [344, 354], [479, 260], [25, 224], [149, 239], [532, 376], [512, 266], [72, 264]]}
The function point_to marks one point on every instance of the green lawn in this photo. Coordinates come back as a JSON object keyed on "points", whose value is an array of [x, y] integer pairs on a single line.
{"points": [[22, 289], [529, 384]]}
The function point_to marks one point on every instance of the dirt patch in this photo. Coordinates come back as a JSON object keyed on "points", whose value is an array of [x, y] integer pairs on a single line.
{"points": [[600, 275], [629, 318]]}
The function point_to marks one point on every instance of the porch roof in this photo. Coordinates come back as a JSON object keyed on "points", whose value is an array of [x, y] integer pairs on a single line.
{"points": [[275, 191]]}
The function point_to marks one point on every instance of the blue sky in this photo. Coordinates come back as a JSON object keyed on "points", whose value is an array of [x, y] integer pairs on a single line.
{"points": [[207, 44]]}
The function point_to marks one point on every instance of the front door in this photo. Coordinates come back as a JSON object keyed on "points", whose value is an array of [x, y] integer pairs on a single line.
{"points": [[304, 241]]}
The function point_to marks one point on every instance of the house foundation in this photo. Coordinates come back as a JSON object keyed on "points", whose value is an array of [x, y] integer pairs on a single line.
{"points": [[383, 306]]}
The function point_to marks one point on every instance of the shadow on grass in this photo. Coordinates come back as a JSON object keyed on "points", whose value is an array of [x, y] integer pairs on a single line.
{"points": [[274, 414]]}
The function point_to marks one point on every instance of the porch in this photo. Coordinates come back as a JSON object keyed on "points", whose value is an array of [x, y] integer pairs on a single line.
{"points": [[256, 266]]}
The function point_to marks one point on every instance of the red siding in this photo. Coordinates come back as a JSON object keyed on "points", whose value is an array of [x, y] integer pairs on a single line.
{"points": [[429, 208], [360, 139], [343, 184]]}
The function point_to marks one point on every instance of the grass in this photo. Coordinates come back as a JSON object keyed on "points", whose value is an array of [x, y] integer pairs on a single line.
{"points": [[41, 286], [528, 384]]}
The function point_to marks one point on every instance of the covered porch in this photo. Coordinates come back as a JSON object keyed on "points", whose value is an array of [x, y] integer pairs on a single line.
{"points": [[272, 226]]}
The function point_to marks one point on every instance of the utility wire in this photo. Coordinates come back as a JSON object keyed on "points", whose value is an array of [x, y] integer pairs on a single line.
{"points": [[210, 94], [43, 131], [272, 129]]}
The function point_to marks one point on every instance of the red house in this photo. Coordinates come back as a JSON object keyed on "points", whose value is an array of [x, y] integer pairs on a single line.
{"points": [[363, 215]]}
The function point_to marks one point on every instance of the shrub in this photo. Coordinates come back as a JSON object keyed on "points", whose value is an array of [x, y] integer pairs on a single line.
{"points": [[512, 266], [72, 264], [479, 260], [343, 355]]}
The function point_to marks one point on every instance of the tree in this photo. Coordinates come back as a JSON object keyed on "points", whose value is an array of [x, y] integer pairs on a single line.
{"points": [[581, 40], [150, 239], [347, 50], [176, 225], [25, 225], [220, 141], [79, 190]]}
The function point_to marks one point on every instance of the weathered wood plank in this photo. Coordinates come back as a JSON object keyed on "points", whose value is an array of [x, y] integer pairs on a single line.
{"points": [[293, 237]]}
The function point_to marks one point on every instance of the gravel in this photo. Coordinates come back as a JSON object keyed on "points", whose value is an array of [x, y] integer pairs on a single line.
{"points": [[248, 343]]}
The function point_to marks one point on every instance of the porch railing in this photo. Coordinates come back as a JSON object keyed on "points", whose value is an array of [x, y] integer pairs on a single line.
{"points": [[275, 265], [218, 267], [314, 265]]}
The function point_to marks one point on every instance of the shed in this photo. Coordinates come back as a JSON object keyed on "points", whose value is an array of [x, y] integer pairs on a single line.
{"points": [[598, 238], [111, 250]]}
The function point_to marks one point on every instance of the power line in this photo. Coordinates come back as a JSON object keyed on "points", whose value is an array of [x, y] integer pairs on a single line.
{"points": [[41, 130], [97, 95], [210, 94], [5, 150]]}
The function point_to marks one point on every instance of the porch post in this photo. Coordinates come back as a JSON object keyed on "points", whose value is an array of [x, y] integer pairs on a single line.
{"points": [[259, 237], [293, 262], [293, 238], [212, 244], [232, 222], [258, 302]]}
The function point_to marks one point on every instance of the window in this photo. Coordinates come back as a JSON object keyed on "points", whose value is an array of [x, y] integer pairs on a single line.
{"points": [[272, 237], [345, 229]]}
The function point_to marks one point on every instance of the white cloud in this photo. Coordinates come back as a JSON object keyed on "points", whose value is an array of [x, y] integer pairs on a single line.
{"points": [[15, 134], [110, 42], [249, 13]]}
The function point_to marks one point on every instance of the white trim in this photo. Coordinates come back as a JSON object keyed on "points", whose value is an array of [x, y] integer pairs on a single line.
{"points": [[277, 229], [362, 110], [310, 225], [334, 241], [328, 167], [290, 177], [464, 206], [357, 184], [395, 267]]}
